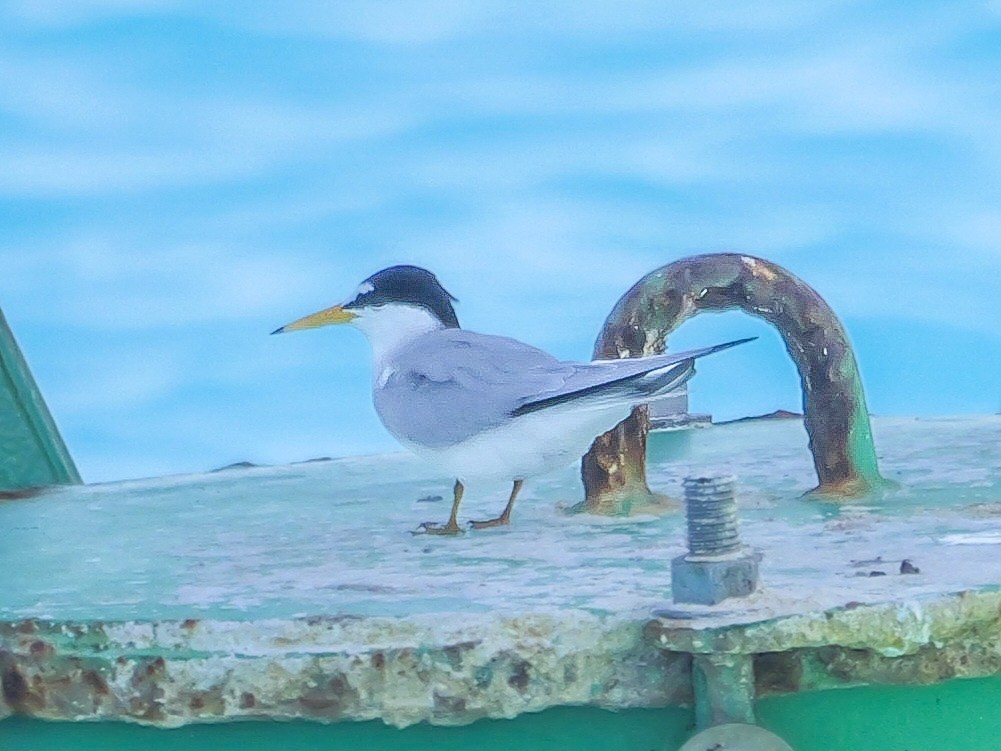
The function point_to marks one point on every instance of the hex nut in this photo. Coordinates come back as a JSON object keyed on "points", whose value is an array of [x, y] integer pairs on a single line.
{"points": [[710, 581]]}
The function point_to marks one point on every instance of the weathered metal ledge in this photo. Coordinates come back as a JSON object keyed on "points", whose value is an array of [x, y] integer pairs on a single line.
{"points": [[916, 641], [299, 592], [402, 671], [407, 671]]}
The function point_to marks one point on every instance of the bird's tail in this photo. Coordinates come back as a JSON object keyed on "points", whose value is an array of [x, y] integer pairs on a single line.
{"points": [[647, 378], [667, 379]]}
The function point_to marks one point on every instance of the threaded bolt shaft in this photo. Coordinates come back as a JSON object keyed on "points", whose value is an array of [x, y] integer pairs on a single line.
{"points": [[711, 513]]}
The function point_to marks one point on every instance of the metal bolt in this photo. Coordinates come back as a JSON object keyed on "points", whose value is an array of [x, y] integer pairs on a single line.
{"points": [[711, 512], [716, 567]]}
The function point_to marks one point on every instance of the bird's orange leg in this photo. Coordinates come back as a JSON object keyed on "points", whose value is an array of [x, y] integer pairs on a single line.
{"points": [[452, 526], [505, 517]]}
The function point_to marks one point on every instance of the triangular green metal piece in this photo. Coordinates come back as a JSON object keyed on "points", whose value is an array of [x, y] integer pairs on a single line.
{"points": [[32, 452]]}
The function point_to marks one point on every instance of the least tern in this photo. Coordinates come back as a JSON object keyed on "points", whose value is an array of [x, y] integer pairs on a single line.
{"points": [[484, 406]]}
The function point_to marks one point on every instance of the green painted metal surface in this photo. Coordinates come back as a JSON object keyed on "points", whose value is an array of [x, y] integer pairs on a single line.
{"points": [[956, 715], [560, 729], [32, 452], [959, 714]]}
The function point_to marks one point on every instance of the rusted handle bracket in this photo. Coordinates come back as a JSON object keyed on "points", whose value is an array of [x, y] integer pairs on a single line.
{"points": [[835, 413]]}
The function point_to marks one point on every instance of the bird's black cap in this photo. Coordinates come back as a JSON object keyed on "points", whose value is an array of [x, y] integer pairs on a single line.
{"points": [[410, 285]]}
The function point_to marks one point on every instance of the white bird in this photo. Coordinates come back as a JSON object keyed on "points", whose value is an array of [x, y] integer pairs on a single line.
{"points": [[483, 406]]}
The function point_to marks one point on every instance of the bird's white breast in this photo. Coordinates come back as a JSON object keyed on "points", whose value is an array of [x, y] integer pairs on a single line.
{"points": [[528, 445]]}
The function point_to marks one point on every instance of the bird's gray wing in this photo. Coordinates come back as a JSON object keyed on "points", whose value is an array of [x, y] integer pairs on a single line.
{"points": [[629, 380], [451, 384]]}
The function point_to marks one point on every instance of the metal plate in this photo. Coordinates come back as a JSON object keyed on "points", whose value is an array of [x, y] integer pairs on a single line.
{"points": [[32, 452]]}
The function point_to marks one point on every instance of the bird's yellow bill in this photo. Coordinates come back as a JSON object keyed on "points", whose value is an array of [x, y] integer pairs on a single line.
{"points": [[336, 314]]}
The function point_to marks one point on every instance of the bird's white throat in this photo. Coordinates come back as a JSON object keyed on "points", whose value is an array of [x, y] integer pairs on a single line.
{"points": [[388, 327]]}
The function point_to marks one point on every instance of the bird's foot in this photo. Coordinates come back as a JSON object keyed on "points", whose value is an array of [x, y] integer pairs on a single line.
{"points": [[500, 521], [434, 528]]}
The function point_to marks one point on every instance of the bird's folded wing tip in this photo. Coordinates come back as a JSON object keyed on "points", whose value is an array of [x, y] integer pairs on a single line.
{"points": [[734, 343]]}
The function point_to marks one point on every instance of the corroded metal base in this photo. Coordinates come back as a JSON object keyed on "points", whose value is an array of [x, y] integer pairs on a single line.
{"points": [[614, 469]]}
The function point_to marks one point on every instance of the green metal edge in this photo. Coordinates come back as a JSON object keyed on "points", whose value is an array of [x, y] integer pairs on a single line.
{"points": [[861, 446], [44, 453]]}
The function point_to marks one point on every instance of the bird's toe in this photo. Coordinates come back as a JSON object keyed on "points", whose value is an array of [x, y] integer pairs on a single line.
{"points": [[500, 521], [434, 528]]}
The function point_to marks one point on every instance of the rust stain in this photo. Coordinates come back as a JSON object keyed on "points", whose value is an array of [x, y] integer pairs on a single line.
{"points": [[519, 676], [39, 648], [777, 673], [454, 652], [15, 688], [156, 666], [448, 705], [20, 493], [318, 702], [332, 698], [94, 680]]}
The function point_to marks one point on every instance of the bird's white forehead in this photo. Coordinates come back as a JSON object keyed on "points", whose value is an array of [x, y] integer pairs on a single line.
{"points": [[363, 289]]}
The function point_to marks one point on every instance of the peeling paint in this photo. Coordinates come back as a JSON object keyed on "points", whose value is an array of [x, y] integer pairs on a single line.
{"points": [[328, 670]]}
